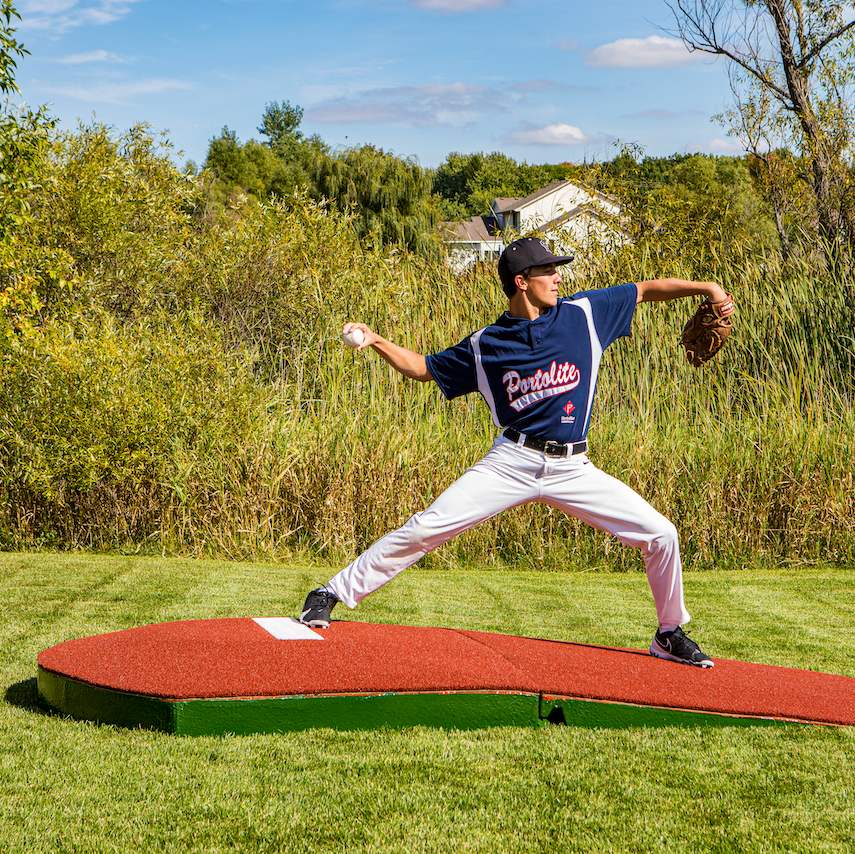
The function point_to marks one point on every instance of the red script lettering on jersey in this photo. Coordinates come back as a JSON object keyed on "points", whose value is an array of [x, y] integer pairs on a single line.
{"points": [[557, 380]]}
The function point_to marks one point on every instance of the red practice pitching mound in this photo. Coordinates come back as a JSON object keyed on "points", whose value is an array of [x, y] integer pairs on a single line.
{"points": [[247, 675]]}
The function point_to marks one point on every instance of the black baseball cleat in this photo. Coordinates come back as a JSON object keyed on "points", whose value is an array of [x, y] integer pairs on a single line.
{"points": [[317, 608], [677, 646]]}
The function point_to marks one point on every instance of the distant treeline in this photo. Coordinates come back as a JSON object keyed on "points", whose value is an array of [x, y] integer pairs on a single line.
{"points": [[393, 200]]}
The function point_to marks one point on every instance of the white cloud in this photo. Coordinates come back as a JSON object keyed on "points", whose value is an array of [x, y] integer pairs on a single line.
{"points": [[557, 134], [434, 105], [456, 6], [652, 52], [726, 146], [59, 16], [119, 93], [92, 56], [732, 146]]}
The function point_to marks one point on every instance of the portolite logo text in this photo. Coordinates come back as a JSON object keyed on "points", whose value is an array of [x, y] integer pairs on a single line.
{"points": [[523, 391]]}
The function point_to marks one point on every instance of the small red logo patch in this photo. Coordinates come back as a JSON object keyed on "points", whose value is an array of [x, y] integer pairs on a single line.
{"points": [[569, 408]]}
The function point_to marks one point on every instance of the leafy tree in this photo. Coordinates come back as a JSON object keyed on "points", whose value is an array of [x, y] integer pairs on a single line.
{"points": [[690, 211], [279, 167], [113, 209], [230, 162], [562, 171], [791, 66], [296, 161], [234, 169], [466, 184], [779, 176], [388, 196], [10, 47], [280, 121], [297, 154], [23, 140]]}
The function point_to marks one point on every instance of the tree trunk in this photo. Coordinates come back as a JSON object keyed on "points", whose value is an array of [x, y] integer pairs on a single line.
{"points": [[826, 173]]}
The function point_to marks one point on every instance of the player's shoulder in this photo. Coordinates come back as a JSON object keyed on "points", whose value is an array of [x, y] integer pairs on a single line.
{"points": [[503, 324], [472, 340], [612, 293], [506, 332]]}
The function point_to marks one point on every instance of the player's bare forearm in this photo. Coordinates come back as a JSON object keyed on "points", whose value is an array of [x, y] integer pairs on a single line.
{"points": [[658, 290], [407, 362], [410, 364]]}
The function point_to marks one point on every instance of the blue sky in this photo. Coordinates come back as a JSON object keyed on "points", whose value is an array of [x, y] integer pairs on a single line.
{"points": [[545, 82]]}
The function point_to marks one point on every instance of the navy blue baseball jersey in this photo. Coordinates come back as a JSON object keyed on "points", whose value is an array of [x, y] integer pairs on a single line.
{"points": [[539, 376]]}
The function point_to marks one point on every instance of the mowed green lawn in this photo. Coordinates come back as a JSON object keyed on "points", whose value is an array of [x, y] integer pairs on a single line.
{"points": [[68, 786]]}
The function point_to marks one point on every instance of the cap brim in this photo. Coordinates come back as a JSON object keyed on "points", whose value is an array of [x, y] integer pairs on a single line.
{"points": [[562, 259]]}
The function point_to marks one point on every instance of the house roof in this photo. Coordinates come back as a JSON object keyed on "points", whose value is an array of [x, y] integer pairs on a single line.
{"points": [[486, 229], [479, 228], [543, 191], [501, 205], [504, 205]]}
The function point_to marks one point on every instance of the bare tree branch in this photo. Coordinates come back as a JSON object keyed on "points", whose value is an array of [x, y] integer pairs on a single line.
{"points": [[826, 41], [700, 34], [775, 45]]}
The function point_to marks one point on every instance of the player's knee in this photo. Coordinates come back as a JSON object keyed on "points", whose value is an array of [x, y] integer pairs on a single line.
{"points": [[421, 533], [666, 537]]}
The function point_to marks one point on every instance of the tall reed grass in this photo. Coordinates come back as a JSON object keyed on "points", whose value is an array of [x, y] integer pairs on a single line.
{"points": [[238, 425]]}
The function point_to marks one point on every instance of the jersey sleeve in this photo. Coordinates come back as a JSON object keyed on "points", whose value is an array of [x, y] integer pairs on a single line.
{"points": [[453, 369], [613, 309]]}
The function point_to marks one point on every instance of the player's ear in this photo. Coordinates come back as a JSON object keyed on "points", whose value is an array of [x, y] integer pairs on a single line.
{"points": [[520, 282]]}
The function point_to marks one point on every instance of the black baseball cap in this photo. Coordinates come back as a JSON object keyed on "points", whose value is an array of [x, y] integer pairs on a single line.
{"points": [[527, 252]]}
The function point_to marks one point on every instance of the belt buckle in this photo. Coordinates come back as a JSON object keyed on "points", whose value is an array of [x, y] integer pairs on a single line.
{"points": [[554, 449]]}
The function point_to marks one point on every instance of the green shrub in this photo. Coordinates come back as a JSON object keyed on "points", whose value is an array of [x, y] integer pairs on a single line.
{"points": [[95, 416], [115, 208]]}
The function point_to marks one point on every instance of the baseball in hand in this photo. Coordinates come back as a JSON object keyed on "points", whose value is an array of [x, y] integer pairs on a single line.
{"points": [[353, 338]]}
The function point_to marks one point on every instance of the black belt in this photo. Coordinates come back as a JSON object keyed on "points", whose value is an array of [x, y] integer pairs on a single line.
{"points": [[551, 449]]}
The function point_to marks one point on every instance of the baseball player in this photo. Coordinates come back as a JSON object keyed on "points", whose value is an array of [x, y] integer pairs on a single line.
{"points": [[536, 367]]}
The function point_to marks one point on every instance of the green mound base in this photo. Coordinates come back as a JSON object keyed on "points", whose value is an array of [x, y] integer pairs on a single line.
{"points": [[448, 710]]}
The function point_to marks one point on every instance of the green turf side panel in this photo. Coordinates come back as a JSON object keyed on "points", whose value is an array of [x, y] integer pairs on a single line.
{"points": [[102, 705], [357, 711], [450, 710], [597, 714], [244, 716]]}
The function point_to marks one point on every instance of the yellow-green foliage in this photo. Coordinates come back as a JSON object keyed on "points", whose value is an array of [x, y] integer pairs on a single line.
{"points": [[212, 409], [116, 208], [95, 417]]}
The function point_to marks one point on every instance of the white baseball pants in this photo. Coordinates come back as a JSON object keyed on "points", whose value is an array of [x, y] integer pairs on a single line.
{"points": [[510, 475]]}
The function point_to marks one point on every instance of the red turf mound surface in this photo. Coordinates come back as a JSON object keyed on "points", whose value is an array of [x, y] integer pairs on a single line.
{"points": [[238, 658]]}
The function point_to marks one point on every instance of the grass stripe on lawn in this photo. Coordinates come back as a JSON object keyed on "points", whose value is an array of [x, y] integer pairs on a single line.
{"points": [[72, 786]]}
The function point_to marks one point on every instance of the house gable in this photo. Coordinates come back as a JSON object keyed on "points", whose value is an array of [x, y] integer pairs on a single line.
{"points": [[562, 208], [547, 205]]}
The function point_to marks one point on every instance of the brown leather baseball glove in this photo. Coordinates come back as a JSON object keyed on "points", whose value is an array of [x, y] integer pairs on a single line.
{"points": [[707, 330]]}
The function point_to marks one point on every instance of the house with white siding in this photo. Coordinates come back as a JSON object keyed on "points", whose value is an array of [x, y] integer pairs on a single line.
{"points": [[565, 214]]}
